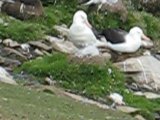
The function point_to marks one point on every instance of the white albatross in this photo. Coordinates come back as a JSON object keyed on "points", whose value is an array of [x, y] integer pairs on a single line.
{"points": [[121, 41], [80, 32]]}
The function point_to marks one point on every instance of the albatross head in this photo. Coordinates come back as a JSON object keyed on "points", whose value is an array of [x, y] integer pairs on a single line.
{"points": [[138, 32], [80, 17]]}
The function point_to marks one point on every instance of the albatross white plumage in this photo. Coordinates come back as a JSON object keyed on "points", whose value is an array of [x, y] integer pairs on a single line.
{"points": [[80, 32], [122, 41]]}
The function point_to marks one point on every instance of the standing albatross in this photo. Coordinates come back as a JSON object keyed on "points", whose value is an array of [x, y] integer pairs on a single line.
{"points": [[80, 32], [122, 41]]}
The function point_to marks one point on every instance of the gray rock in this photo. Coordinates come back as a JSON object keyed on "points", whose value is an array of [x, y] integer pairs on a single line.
{"points": [[10, 43], [40, 45], [64, 47], [6, 77], [145, 71], [15, 52]]}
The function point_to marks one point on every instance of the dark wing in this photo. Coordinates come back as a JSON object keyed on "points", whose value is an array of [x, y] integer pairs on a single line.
{"points": [[114, 36]]}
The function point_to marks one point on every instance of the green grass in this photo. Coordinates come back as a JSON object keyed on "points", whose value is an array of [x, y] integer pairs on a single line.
{"points": [[19, 103], [87, 79]]}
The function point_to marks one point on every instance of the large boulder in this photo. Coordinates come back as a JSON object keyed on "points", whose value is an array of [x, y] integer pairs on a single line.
{"points": [[143, 70]]}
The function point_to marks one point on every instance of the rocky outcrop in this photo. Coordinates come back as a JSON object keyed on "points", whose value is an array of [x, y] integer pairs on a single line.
{"points": [[143, 72], [23, 9], [152, 6]]}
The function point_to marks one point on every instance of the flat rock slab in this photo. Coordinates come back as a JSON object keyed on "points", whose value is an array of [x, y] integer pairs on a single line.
{"points": [[144, 70], [41, 45], [14, 51], [64, 47]]}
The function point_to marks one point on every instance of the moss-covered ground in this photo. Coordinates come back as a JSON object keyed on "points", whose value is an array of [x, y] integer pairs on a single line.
{"points": [[19, 103]]}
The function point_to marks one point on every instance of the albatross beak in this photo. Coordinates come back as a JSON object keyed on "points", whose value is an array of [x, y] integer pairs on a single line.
{"points": [[144, 37], [88, 24]]}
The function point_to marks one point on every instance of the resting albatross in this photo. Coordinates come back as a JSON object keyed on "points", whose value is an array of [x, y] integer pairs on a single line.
{"points": [[122, 41], [80, 32]]}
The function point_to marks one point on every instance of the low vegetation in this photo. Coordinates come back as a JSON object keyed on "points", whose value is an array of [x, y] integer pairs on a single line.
{"points": [[87, 79], [19, 103], [94, 81]]}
